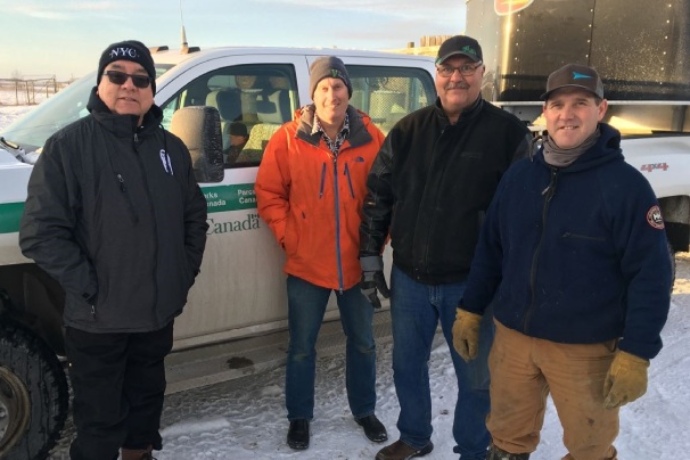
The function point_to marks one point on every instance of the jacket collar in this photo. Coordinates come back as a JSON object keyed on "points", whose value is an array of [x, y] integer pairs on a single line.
{"points": [[606, 149], [123, 125], [468, 113], [359, 135]]}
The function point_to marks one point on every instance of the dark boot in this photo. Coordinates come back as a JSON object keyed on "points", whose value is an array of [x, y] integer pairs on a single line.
{"points": [[138, 454], [495, 453], [298, 434], [401, 451], [373, 428]]}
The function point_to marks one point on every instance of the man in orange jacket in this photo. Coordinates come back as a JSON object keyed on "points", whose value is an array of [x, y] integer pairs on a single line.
{"points": [[310, 190]]}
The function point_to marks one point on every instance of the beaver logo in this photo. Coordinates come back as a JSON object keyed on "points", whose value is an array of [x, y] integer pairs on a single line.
{"points": [[654, 218]]}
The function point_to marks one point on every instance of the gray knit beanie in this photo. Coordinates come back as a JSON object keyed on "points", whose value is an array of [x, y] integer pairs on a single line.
{"points": [[328, 67]]}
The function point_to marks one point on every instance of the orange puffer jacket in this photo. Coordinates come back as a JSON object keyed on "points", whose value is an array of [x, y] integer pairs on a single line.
{"points": [[312, 200]]}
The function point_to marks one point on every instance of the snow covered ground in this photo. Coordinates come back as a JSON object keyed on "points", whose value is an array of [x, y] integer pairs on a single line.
{"points": [[11, 112], [245, 418]]}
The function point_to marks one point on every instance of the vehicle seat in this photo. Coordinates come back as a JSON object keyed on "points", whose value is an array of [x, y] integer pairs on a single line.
{"points": [[272, 110], [279, 94], [227, 101]]}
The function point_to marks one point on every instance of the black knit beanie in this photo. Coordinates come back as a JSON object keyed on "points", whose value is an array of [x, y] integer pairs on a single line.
{"points": [[328, 67], [129, 50]]}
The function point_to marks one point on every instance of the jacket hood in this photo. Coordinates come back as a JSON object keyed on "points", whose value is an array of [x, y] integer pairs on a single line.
{"points": [[122, 125], [359, 121], [606, 149]]}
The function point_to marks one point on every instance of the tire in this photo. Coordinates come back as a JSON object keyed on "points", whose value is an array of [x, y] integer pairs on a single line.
{"points": [[34, 397]]}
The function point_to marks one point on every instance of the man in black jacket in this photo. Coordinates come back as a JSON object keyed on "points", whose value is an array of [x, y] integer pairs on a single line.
{"points": [[429, 188], [115, 215]]}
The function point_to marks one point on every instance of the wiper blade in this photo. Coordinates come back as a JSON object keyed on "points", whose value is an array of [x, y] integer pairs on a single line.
{"points": [[18, 152], [9, 144]]}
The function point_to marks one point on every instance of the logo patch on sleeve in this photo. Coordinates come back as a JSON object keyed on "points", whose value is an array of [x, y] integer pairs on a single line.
{"points": [[654, 218]]}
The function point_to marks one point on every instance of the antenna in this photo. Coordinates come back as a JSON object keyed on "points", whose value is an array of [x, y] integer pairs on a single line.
{"points": [[185, 45]]}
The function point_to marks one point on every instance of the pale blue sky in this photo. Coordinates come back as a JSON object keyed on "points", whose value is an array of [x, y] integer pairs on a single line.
{"points": [[66, 37]]}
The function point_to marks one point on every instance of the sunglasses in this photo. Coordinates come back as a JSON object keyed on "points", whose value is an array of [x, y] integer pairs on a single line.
{"points": [[119, 78]]}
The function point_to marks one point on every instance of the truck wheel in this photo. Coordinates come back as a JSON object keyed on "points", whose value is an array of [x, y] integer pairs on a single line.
{"points": [[33, 394]]}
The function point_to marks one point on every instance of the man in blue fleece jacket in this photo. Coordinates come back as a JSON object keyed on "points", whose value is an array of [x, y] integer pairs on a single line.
{"points": [[574, 250]]}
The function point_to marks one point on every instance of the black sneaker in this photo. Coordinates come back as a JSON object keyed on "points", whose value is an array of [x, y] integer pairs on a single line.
{"points": [[298, 434], [373, 428]]}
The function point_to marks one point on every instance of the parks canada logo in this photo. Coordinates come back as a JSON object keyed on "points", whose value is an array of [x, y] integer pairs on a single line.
{"points": [[250, 222]]}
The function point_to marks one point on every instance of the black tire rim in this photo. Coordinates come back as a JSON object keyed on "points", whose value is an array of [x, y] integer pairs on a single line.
{"points": [[15, 410]]}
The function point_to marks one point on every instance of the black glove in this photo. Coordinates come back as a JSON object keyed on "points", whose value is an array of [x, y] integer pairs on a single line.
{"points": [[373, 279]]}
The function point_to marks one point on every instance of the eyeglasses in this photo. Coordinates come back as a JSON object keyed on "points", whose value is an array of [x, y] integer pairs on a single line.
{"points": [[119, 78], [465, 70]]}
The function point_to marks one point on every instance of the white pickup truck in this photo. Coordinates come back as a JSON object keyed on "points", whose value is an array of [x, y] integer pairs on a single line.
{"points": [[240, 292]]}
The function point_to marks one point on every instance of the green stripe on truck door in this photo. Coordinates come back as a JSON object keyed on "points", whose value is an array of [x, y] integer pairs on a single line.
{"points": [[229, 197], [219, 198], [10, 213]]}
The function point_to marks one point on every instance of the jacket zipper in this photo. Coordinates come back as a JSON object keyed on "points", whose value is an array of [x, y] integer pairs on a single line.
{"points": [[548, 194], [349, 180], [338, 256], [424, 258], [130, 205], [153, 213], [323, 180]]}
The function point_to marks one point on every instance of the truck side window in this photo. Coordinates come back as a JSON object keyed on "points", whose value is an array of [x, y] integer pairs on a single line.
{"points": [[389, 93], [253, 100]]}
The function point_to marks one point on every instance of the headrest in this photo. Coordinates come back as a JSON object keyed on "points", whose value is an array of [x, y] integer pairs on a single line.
{"points": [[227, 101], [279, 82], [267, 108]]}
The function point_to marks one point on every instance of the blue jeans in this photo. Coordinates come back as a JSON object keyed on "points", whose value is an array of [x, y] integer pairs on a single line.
{"points": [[306, 307], [416, 309]]}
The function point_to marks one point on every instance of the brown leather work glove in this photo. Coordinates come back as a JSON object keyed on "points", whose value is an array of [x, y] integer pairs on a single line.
{"points": [[466, 334], [626, 380]]}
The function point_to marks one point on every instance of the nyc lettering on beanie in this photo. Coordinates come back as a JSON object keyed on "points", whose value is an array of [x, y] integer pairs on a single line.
{"points": [[129, 50]]}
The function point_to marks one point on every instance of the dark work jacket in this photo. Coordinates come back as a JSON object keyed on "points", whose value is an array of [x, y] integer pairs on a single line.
{"points": [[431, 184], [576, 254], [121, 235]]}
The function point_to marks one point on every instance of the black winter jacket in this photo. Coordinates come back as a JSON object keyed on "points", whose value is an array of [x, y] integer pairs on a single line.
{"points": [[431, 184], [123, 236]]}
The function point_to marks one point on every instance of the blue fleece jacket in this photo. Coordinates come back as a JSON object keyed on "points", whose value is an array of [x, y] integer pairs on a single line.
{"points": [[576, 254]]}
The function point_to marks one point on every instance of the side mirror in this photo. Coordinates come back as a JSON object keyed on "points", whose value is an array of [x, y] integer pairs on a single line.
{"points": [[199, 129]]}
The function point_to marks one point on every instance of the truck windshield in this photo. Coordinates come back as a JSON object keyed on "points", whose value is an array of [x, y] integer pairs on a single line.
{"points": [[32, 130]]}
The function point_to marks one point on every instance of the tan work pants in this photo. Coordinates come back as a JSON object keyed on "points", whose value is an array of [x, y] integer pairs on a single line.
{"points": [[523, 372]]}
